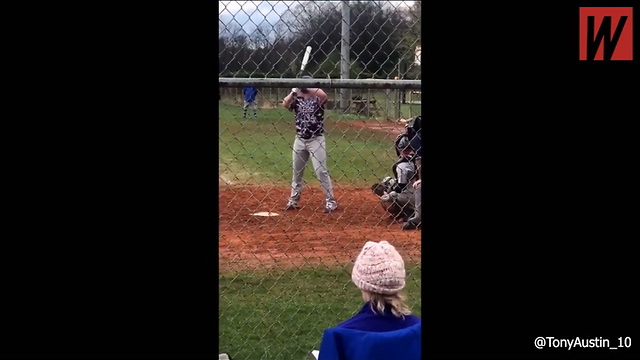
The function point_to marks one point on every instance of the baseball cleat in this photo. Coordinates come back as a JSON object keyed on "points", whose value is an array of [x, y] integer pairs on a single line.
{"points": [[411, 225], [291, 206], [330, 206]]}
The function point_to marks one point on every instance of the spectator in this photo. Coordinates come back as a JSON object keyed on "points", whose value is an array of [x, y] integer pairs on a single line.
{"points": [[380, 275], [384, 327]]}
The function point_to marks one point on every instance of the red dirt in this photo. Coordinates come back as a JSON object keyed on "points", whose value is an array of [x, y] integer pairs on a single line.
{"points": [[307, 236], [392, 128]]}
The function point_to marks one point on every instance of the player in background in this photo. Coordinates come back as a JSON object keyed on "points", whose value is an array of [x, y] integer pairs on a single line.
{"points": [[249, 94]]}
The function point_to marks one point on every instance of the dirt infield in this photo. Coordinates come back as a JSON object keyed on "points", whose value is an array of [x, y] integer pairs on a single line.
{"points": [[393, 129], [303, 237]]}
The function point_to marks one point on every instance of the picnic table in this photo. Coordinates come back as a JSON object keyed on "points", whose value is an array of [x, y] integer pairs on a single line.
{"points": [[418, 94], [365, 106]]}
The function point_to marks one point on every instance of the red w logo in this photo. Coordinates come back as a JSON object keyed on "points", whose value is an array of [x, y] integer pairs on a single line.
{"points": [[608, 43]]}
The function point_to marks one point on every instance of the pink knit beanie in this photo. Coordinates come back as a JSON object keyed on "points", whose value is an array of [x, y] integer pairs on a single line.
{"points": [[379, 269]]}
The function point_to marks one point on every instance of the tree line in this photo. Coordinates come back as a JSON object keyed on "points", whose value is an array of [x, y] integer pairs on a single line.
{"points": [[383, 39]]}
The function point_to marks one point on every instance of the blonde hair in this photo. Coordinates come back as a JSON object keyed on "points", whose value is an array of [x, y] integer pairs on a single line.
{"points": [[397, 302]]}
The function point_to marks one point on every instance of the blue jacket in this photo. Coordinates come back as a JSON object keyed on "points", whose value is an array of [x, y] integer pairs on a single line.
{"points": [[250, 94], [347, 344], [367, 320]]}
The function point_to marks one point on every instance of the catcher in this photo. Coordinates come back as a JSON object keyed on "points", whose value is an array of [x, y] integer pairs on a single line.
{"points": [[396, 194]]}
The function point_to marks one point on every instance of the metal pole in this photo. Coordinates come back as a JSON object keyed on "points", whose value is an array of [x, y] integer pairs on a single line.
{"points": [[345, 50], [387, 104], [367, 102], [398, 112]]}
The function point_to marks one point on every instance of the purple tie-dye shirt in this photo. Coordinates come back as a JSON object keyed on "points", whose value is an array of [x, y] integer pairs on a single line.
{"points": [[309, 117]]}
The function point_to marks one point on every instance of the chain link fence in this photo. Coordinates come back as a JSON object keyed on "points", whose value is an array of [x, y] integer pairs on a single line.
{"points": [[285, 274]]}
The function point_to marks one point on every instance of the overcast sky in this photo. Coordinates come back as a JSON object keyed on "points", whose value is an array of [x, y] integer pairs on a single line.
{"points": [[249, 14]]}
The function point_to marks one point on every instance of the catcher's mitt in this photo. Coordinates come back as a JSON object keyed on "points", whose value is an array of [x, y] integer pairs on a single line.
{"points": [[385, 185], [378, 189]]}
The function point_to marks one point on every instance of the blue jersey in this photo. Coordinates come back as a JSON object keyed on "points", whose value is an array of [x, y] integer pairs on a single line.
{"points": [[250, 94]]}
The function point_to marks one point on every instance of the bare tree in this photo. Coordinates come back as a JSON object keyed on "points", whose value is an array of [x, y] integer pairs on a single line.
{"points": [[383, 39], [260, 36]]}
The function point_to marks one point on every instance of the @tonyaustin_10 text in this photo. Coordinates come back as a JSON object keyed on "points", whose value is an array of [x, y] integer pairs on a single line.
{"points": [[577, 342]]}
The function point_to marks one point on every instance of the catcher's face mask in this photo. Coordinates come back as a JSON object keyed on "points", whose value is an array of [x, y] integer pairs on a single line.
{"points": [[403, 145], [414, 125]]}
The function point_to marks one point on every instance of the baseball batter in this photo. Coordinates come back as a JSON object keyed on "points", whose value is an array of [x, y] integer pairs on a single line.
{"points": [[308, 106]]}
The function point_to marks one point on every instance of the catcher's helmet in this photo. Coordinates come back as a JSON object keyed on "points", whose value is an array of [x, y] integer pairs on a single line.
{"points": [[403, 143], [414, 125]]}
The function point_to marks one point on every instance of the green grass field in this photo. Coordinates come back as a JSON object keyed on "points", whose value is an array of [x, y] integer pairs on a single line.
{"points": [[259, 150], [281, 314]]}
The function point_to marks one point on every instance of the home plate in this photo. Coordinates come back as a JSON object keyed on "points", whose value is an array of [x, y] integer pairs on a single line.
{"points": [[265, 213]]}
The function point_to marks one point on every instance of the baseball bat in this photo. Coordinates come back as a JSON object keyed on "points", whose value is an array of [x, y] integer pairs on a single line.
{"points": [[305, 59]]}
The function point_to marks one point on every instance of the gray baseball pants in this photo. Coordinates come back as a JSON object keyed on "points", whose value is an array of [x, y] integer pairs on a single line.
{"points": [[317, 150], [401, 204]]}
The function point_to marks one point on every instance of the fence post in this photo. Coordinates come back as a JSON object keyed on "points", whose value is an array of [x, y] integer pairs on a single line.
{"points": [[387, 104], [345, 50], [396, 105]]}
